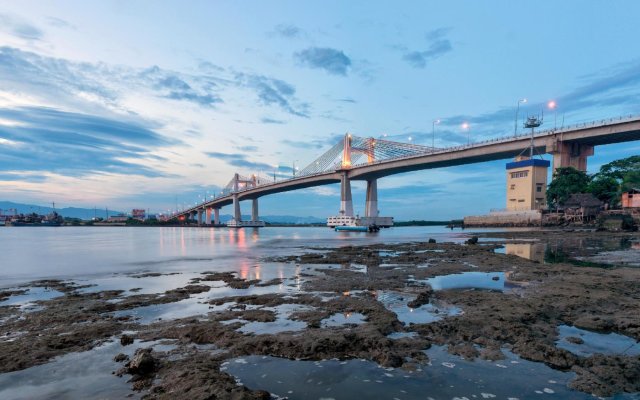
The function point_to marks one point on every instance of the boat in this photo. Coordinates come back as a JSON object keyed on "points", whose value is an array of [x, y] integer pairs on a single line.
{"points": [[352, 228], [349, 223]]}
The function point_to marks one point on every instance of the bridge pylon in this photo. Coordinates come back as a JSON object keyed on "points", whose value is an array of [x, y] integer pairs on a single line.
{"points": [[371, 203], [346, 202]]}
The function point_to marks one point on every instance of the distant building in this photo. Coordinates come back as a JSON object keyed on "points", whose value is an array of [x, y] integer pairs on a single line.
{"points": [[138, 214], [118, 218], [631, 199], [526, 184]]}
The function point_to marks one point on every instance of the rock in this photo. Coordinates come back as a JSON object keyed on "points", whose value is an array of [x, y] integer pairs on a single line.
{"points": [[142, 363], [121, 357], [472, 240], [126, 340], [495, 278], [261, 395], [423, 298], [574, 340], [492, 354]]}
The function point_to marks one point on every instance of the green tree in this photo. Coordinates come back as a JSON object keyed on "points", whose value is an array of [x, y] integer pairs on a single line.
{"points": [[623, 174], [619, 168], [605, 188], [566, 181], [631, 180]]}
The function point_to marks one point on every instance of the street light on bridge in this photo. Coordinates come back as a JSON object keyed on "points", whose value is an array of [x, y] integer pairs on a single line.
{"points": [[553, 106], [465, 127], [515, 129], [433, 132]]}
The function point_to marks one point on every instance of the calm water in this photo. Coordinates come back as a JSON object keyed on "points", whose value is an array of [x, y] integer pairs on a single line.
{"points": [[106, 257], [92, 252]]}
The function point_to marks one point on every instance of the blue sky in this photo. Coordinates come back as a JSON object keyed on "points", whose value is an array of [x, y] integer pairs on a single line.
{"points": [[136, 104]]}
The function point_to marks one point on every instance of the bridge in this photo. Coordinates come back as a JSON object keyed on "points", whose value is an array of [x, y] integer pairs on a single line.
{"points": [[369, 159]]}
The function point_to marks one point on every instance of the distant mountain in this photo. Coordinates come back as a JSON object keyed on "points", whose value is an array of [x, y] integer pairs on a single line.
{"points": [[71, 212], [88, 213]]}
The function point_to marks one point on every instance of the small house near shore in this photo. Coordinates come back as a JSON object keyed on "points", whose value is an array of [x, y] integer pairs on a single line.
{"points": [[631, 199], [581, 207]]}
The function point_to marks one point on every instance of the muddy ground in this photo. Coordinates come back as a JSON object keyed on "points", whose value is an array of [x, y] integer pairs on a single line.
{"points": [[523, 318]]}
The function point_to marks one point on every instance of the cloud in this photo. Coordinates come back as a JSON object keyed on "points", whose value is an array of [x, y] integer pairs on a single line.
{"points": [[319, 143], [20, 28], [240, 160], [438, 46], [333, 61], [60, 23], [267, 120], [617, 86], [272, 91], [247, 148], [288, 31], [173, 86], [74, 144]]}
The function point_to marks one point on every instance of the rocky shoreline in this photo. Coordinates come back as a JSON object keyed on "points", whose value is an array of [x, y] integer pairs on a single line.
{"points": [[520, 310]]}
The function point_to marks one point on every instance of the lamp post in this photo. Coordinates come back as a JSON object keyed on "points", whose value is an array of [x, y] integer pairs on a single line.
{"points": [[515, 129], [553, 106], [433, 133], [465, 127]]}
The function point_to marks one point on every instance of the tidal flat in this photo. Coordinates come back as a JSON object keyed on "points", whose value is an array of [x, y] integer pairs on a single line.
{"points": [[404, 320]]}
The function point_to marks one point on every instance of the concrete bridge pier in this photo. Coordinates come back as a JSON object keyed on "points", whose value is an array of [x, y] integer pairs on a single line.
{"points": [[371, 204], [254, 210], [216, 216], [207, 218], [200, 217], [571, 155], [346, 202], [237, 215]]}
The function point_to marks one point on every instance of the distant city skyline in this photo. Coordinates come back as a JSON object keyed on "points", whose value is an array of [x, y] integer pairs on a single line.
{"points": [[153, 105]]}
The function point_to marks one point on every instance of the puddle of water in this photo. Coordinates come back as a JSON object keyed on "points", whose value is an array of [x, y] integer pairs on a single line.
{"points": [[587, 251], [26, 301], [81, 375], [594, 342], [281, 324], [343, 319], [158, 312], [401, 335], [198, 304], [469, 280], [445, 377], [397, 303], [142, 284], [396, 266]]}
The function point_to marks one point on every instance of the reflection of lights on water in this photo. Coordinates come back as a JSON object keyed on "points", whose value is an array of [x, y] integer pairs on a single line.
{"points": [[258, 270], [347, 315], [183, 247], [244, 270], [410, 309], [347, 293]]}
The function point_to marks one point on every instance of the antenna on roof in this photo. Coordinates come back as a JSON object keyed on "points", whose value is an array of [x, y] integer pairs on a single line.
{"points": [[533, 122]]}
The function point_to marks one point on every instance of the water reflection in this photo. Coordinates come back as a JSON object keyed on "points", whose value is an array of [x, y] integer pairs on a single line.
{"points": [[445, 377], [469, 280], [577, 251], [530, 251], [586, 343]]}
